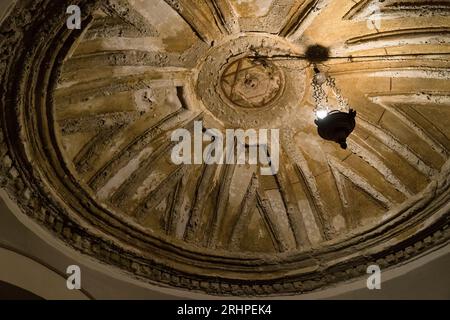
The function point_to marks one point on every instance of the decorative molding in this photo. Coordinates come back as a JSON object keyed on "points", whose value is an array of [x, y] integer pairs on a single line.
{"points": [[33, 47], [397, 9], [402, 34]]}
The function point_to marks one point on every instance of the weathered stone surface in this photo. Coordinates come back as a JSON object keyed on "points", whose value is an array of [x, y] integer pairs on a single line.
{"points": [[86, 119]]}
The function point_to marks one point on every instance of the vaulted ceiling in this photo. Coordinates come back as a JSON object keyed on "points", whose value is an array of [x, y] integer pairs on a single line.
{"points": [[88, 115]]}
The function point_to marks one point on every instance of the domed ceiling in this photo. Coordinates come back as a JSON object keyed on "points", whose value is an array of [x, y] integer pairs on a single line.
{"points": [[87, 118]]}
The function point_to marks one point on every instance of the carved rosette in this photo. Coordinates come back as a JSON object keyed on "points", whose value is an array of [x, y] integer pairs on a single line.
{"points": [[34, 44]]}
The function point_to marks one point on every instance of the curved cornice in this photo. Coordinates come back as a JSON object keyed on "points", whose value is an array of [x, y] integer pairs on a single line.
{"points": [[34, 44]]}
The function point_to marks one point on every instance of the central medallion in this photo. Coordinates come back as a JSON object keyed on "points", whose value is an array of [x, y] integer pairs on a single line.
{"points": [[252, 83], [242, 84]]}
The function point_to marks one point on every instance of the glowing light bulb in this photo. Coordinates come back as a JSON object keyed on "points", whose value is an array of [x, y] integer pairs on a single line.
{"points": [[321, 113], [321, 78]]}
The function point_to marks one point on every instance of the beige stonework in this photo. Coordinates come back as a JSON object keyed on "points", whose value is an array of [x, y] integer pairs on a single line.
{"points": [[87, 117]]}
